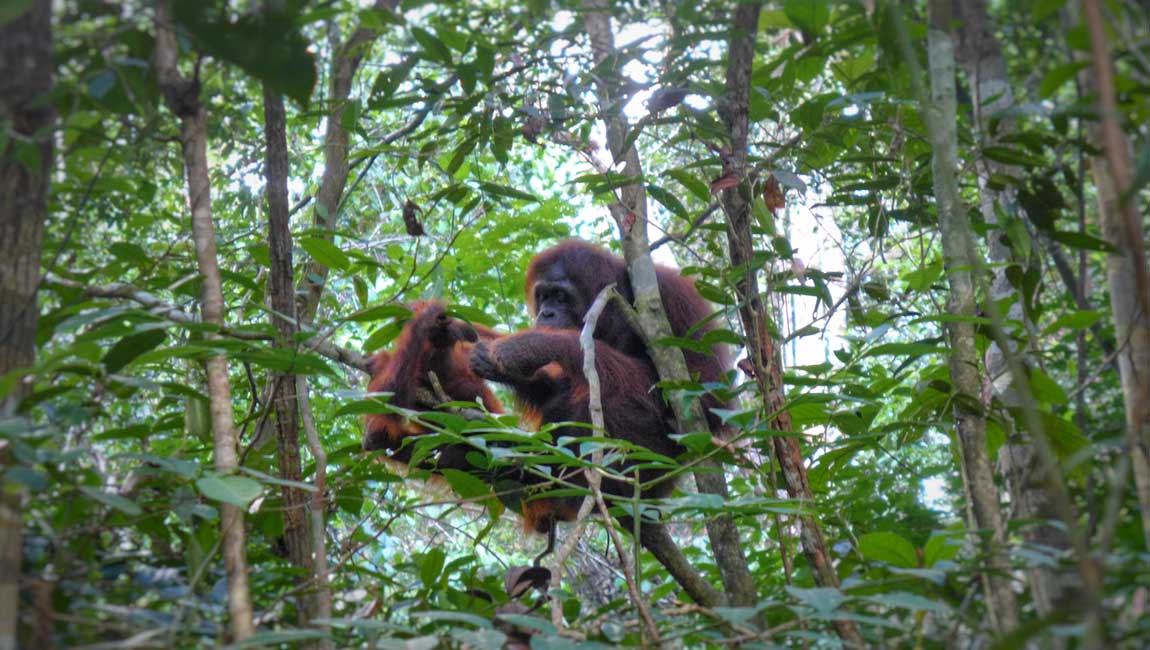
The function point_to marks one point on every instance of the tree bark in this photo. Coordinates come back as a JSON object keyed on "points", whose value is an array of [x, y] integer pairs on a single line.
{"points": [[323, 601], [763, 351], [1126, 269], [344, 66], [960, 257], [26, 72], [281, 300], [979, 53], [182, 96], [630, 213]]}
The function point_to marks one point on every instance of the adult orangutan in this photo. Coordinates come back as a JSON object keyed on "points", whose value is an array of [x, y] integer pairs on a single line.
{"points": [[544, 365]]}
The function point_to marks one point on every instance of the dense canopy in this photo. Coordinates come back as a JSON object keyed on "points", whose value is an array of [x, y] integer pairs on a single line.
{"points": [[921, 228]]}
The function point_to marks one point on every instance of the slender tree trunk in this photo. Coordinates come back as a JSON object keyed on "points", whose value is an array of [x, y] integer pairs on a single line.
{"points": [[981, 56], [762, 350], [182, 96], [631, 215], [328, 198], [323, 600], [26, 70], [1126, 269], [960, 258], [281, 300]]}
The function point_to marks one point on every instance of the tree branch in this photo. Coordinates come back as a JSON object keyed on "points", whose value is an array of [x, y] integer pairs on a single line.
{"points": [[335, 149], [630, 214], [761, 348], [157, 306]]}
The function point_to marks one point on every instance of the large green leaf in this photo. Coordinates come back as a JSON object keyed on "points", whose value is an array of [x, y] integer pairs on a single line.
{"points": [[126, 506], [888, 547], [325, 252], [236, 490], [130, 347]]}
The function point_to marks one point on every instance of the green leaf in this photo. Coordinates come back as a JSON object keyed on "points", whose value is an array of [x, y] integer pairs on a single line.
{"points": [[452, 617], [1043, 9], [276, 638], [32, 479], [906, 600], [1083, 241], [509, 192], [382, 336], [823, 599], [325, 252], [1065, 437], [116, 501], [808, 15], [850, 69], [130, 347], [1075, 320], [432, 46], [923, 277], [380, 312], [888, 547], [197, 418], [668, 200], [905, 349], [12, 9], [1046, 389], [1059, 76], [693, 184], [236, 490], [268, 478], [939, 548], [460, 154], [465, 484], [1010, 156], [129, 252], [430, 566]]}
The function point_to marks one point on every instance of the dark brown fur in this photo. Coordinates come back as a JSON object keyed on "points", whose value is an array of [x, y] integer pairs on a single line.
{"points": [[633, 408]]}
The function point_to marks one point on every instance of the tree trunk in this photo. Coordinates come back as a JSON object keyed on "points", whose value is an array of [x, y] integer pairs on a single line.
{"points": [[981, 56], [1126, 269], [281, 301], [26, 70], [761, 349], [960, 258], [335, 149], [631, 215], [182, 96]]}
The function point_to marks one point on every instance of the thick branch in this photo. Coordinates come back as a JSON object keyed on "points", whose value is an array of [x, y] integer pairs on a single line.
{"points": [[1053, 588], [595, 475]]}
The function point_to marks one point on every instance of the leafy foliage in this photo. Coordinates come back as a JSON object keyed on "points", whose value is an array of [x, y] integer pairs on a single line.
{"points": [[497, 124]]}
